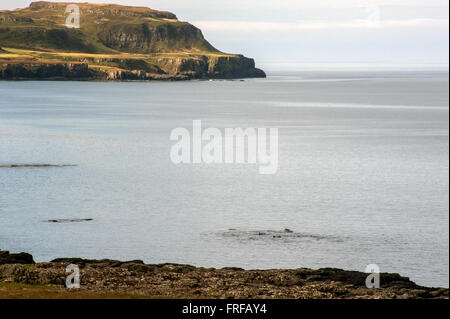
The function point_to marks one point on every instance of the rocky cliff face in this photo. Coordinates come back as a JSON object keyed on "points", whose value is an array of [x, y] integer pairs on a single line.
{"points": [[114, 43], [233, 67], [18, 71], [171, 69], [212, 67], [44, 70], [146, 38]]}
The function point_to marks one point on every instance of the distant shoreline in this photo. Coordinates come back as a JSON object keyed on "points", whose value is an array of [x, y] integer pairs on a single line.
{"points": [[97, 80], [21, 277]]}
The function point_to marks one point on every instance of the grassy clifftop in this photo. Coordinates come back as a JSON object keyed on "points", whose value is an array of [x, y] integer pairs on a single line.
{"points": [[115, 42]]}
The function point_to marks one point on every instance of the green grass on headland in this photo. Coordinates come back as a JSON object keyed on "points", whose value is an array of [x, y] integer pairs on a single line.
{"points": [[115, 42]]}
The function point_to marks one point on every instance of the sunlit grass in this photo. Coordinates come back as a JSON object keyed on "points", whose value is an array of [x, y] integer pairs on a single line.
{"points": [[48, 55], [23, 291]]}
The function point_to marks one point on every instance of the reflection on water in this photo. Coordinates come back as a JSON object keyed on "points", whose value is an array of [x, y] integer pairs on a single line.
{"points": [[363, 173]]}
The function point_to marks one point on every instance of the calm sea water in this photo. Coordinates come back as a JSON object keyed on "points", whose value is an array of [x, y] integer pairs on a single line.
{"points": [[363, 173]]}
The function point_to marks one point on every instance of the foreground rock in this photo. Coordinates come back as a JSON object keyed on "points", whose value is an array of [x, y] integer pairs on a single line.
{"points": [[110, 278], [7, 258]]}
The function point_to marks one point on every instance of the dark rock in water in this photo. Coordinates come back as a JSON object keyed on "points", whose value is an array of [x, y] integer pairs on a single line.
{"points": [[287, 235], [70, 220], [33, 165], [22, 258]]}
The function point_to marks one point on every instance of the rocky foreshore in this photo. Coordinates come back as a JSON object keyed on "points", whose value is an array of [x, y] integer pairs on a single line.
{"points": [[21, 277]]}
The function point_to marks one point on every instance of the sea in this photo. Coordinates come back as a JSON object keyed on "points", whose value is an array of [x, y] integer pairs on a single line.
{"points": [[363, 172]]}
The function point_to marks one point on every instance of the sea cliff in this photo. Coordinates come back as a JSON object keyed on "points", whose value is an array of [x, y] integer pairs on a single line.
{"points": [[113, 42]]}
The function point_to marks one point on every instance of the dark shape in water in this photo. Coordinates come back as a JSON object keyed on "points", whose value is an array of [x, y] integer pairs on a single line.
{"points": [[286, 234], [76, 220], [35, 165]]}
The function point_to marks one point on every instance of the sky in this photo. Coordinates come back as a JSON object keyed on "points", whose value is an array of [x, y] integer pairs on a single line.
{"points": [[316, 33]]}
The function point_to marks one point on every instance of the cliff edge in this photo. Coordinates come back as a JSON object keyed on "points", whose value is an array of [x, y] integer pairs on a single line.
{"points": [[113, 42]]}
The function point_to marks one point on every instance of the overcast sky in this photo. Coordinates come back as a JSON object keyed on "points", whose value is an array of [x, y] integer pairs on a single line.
{"points": [[315, 32]]}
